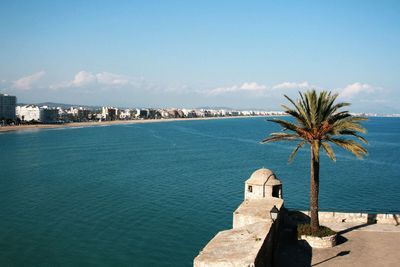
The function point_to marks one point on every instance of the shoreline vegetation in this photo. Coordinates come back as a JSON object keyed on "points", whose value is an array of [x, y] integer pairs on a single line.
{"points": [[27, 127]]}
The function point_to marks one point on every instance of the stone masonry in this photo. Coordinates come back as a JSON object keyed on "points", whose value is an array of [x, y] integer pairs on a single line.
{"points": [[251, 240]]}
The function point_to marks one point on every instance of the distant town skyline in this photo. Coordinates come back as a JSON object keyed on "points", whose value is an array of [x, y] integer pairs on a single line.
{"points": [[242, 55]]}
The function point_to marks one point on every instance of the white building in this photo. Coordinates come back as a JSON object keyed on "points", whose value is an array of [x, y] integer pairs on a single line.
{"points": [[34, 113], [125, 114], [137, 113], [185, 112], [28, 113], [73, 111], [109, 113], [199, 113], [164, 113], [222, 112]]}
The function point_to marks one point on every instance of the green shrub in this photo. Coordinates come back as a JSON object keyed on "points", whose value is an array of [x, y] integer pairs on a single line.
{"points": [[305, 229]]}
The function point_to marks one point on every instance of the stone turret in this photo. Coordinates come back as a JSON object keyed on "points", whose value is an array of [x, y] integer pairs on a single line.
{"points": [[262, 184], [252, 239]]}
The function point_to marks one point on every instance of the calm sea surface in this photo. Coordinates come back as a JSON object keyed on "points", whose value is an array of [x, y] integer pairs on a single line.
{"points": [[155, 194]]}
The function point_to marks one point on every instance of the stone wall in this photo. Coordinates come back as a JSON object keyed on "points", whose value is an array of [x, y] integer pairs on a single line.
{"points": [[350, 217], [242, 246], [250, 242], [253, 237], [255, 210], [257, 192]]}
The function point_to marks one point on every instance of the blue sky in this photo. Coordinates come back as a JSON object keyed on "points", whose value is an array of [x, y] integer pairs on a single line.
{"points": [[240, 54]]}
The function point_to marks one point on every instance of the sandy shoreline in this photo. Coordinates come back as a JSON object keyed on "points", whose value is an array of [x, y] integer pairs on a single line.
{"points": [[102, 123]]}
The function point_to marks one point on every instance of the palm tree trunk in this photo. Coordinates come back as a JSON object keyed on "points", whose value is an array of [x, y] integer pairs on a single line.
{"points": [[314, 188]]}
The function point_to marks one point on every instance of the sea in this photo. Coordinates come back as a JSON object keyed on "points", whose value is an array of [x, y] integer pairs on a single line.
{"points": [[154, 194]]}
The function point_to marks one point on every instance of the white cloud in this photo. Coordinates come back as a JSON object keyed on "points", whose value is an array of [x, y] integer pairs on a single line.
{"points": [[112, 79], [247, 86], [255, 87], [26, 83], [252, 86], [85, 78], [356, 88], [293, 85]]}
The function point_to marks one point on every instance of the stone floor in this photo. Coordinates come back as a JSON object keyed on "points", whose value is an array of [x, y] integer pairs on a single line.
{"points": [[359, 245]]}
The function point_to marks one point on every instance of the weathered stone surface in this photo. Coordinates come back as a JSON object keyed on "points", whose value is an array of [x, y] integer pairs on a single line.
{"points": [[364, 248], [255, 210], [388, 219], [351, 217], [373, 245], [261, 184], [235, 247], [251, 241], [320, 242]]}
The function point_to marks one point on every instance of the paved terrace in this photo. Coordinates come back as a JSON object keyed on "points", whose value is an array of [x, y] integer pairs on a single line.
{"points": [[234, 247], [359, 245]]}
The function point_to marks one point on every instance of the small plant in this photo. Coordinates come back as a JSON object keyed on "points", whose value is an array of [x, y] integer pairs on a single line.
{"points": [[305, 229]]}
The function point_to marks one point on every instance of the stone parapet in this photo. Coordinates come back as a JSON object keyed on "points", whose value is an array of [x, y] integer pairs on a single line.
{"points": [[255, 210], [351, 217], [235, 247], [251, 241]]}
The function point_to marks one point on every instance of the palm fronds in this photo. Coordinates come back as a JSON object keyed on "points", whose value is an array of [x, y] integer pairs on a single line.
{"points": [[319, 121]]}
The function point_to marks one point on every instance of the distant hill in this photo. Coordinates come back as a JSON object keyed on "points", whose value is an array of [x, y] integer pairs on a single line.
{"points": [[226, 108], [215, 108], [62, 105], [67, 106]]}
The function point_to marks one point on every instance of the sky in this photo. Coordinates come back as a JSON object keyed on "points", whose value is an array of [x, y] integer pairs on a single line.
{"points": [[238, 54]]}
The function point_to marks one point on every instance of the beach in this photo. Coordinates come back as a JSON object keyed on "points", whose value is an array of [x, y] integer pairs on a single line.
{"points": [[99, 123]]}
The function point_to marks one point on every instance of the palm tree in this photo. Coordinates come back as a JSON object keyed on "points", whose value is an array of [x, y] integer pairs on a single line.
{"points": [[319, 122]]}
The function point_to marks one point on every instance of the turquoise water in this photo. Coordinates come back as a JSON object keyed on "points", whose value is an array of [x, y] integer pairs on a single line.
{"points": [[155, 194]]}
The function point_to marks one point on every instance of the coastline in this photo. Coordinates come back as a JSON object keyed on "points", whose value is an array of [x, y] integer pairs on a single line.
{"points": [[14, 128]]}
